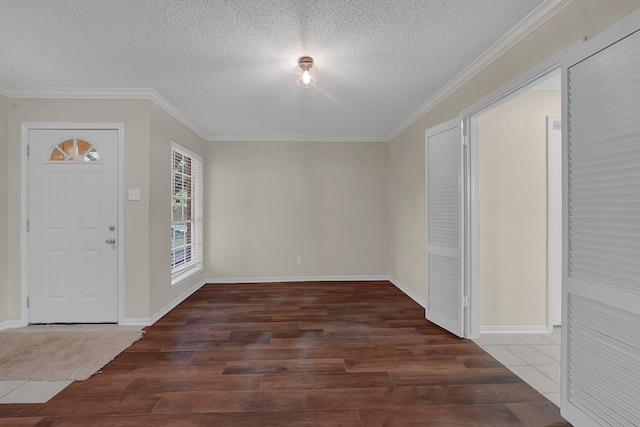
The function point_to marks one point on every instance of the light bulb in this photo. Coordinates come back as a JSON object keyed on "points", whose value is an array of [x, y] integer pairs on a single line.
{"points": [[306, 77], [306, 81]]}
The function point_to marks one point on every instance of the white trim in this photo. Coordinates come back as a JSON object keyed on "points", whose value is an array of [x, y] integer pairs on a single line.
{"points": [[104, 93], [528, 25], [471, 222], [24, 214], [516, 329], [185, 150], [408, 292], [121, 224], [470, 116], [554, 223], [295, 138], [355, 278], [12, 324], [186, 274], [147, 321], [295, 279], [135, 321], [153, 96]]}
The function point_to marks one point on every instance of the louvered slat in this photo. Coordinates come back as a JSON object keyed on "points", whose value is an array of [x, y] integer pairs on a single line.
{"points": [[601, 357], [604, 168], [443, 196], [604, 360], [444, 284], [443, 292]]}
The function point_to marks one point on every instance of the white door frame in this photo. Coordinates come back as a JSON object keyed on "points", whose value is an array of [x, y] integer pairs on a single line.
{"points": [[469, 117], [554, 224], [24, 198]]}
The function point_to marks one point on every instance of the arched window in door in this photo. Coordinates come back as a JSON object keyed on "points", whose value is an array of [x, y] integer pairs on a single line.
{"points": [[74, 150]]}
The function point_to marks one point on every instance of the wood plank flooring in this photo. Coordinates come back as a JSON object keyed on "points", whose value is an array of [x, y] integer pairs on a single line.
{"points": [[296, 354]]}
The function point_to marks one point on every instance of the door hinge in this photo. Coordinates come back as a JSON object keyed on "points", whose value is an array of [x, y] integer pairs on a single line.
{"points": [[27, 302], [28, 226], [463, 125], [28, 150], [466, 301]]}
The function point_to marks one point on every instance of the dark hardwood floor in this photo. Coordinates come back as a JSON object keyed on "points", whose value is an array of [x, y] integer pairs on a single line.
{"points": [[296, 354]]}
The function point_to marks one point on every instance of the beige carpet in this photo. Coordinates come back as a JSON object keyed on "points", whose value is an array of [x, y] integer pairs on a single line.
{"points": [[60, 356]]}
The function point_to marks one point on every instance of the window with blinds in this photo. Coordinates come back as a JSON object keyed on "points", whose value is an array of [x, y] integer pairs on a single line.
{"points": [[186, 211]]}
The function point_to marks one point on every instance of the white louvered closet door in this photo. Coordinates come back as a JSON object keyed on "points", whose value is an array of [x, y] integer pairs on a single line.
{"points": [[445, 292], [601, 294]]}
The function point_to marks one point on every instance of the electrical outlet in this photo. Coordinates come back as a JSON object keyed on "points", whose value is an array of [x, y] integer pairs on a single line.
{"points": [[299, 260]]}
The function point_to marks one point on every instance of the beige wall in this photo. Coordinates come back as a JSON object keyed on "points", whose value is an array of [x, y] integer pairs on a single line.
{"points": [[4, 206], [165, 128], [512, 191], [267, 203], [406, 152], [347, 209], [147, 135]]}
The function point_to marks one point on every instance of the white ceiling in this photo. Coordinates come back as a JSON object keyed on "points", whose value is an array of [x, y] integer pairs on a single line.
{"points": [[230, 66]]}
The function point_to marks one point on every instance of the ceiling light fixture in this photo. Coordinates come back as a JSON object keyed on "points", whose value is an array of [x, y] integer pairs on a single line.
{"points": [[305, 63]]}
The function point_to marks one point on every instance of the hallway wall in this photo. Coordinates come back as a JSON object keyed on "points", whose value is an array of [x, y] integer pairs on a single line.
{"points": [[512, 197]]}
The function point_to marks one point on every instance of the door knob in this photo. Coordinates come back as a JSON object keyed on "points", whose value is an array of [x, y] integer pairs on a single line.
{"points": [[111, 241]]}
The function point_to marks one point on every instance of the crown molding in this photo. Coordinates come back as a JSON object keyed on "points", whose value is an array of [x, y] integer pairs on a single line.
{"points": [[293, 138], [102, 93], [519, 32], [528, 25]]}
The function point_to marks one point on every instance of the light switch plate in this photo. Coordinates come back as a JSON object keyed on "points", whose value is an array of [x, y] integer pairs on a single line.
{"points": [[134, 194]]}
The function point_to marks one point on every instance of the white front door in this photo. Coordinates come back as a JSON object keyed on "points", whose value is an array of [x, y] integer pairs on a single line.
{"points": [[72, 214], [444, 187]]}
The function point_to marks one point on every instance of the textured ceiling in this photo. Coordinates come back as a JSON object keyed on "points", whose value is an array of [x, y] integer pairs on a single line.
{"points": [[230, 66]]}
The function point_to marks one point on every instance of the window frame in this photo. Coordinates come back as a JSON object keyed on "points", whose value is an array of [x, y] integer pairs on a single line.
{"points": [[193, 201]]}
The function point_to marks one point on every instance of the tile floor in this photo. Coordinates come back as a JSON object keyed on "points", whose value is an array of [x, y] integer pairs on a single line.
{"points": [[22, 391], [533, 357]]}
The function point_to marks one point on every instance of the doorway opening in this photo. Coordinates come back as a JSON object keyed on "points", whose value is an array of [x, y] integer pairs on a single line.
{"points": [[519, 196], [516, 233]]}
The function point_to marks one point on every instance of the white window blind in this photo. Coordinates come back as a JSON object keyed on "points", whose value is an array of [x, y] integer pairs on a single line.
{"points": [[186, 210]]}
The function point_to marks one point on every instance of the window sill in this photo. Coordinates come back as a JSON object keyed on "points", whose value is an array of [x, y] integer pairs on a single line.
{"points": [[182, 276]]}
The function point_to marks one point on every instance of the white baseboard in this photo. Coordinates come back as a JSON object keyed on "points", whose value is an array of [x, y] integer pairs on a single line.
{"points": [[295, 279], [135, 321], [11, 324], [146, 321], [371, 278], [516, 329], [408, 291]]}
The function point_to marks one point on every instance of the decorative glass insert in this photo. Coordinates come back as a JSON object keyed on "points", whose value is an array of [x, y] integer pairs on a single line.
{"points": [[74, 150]]}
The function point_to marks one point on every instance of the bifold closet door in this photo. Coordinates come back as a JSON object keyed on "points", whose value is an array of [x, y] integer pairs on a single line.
{"points": [[444, 194]]}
